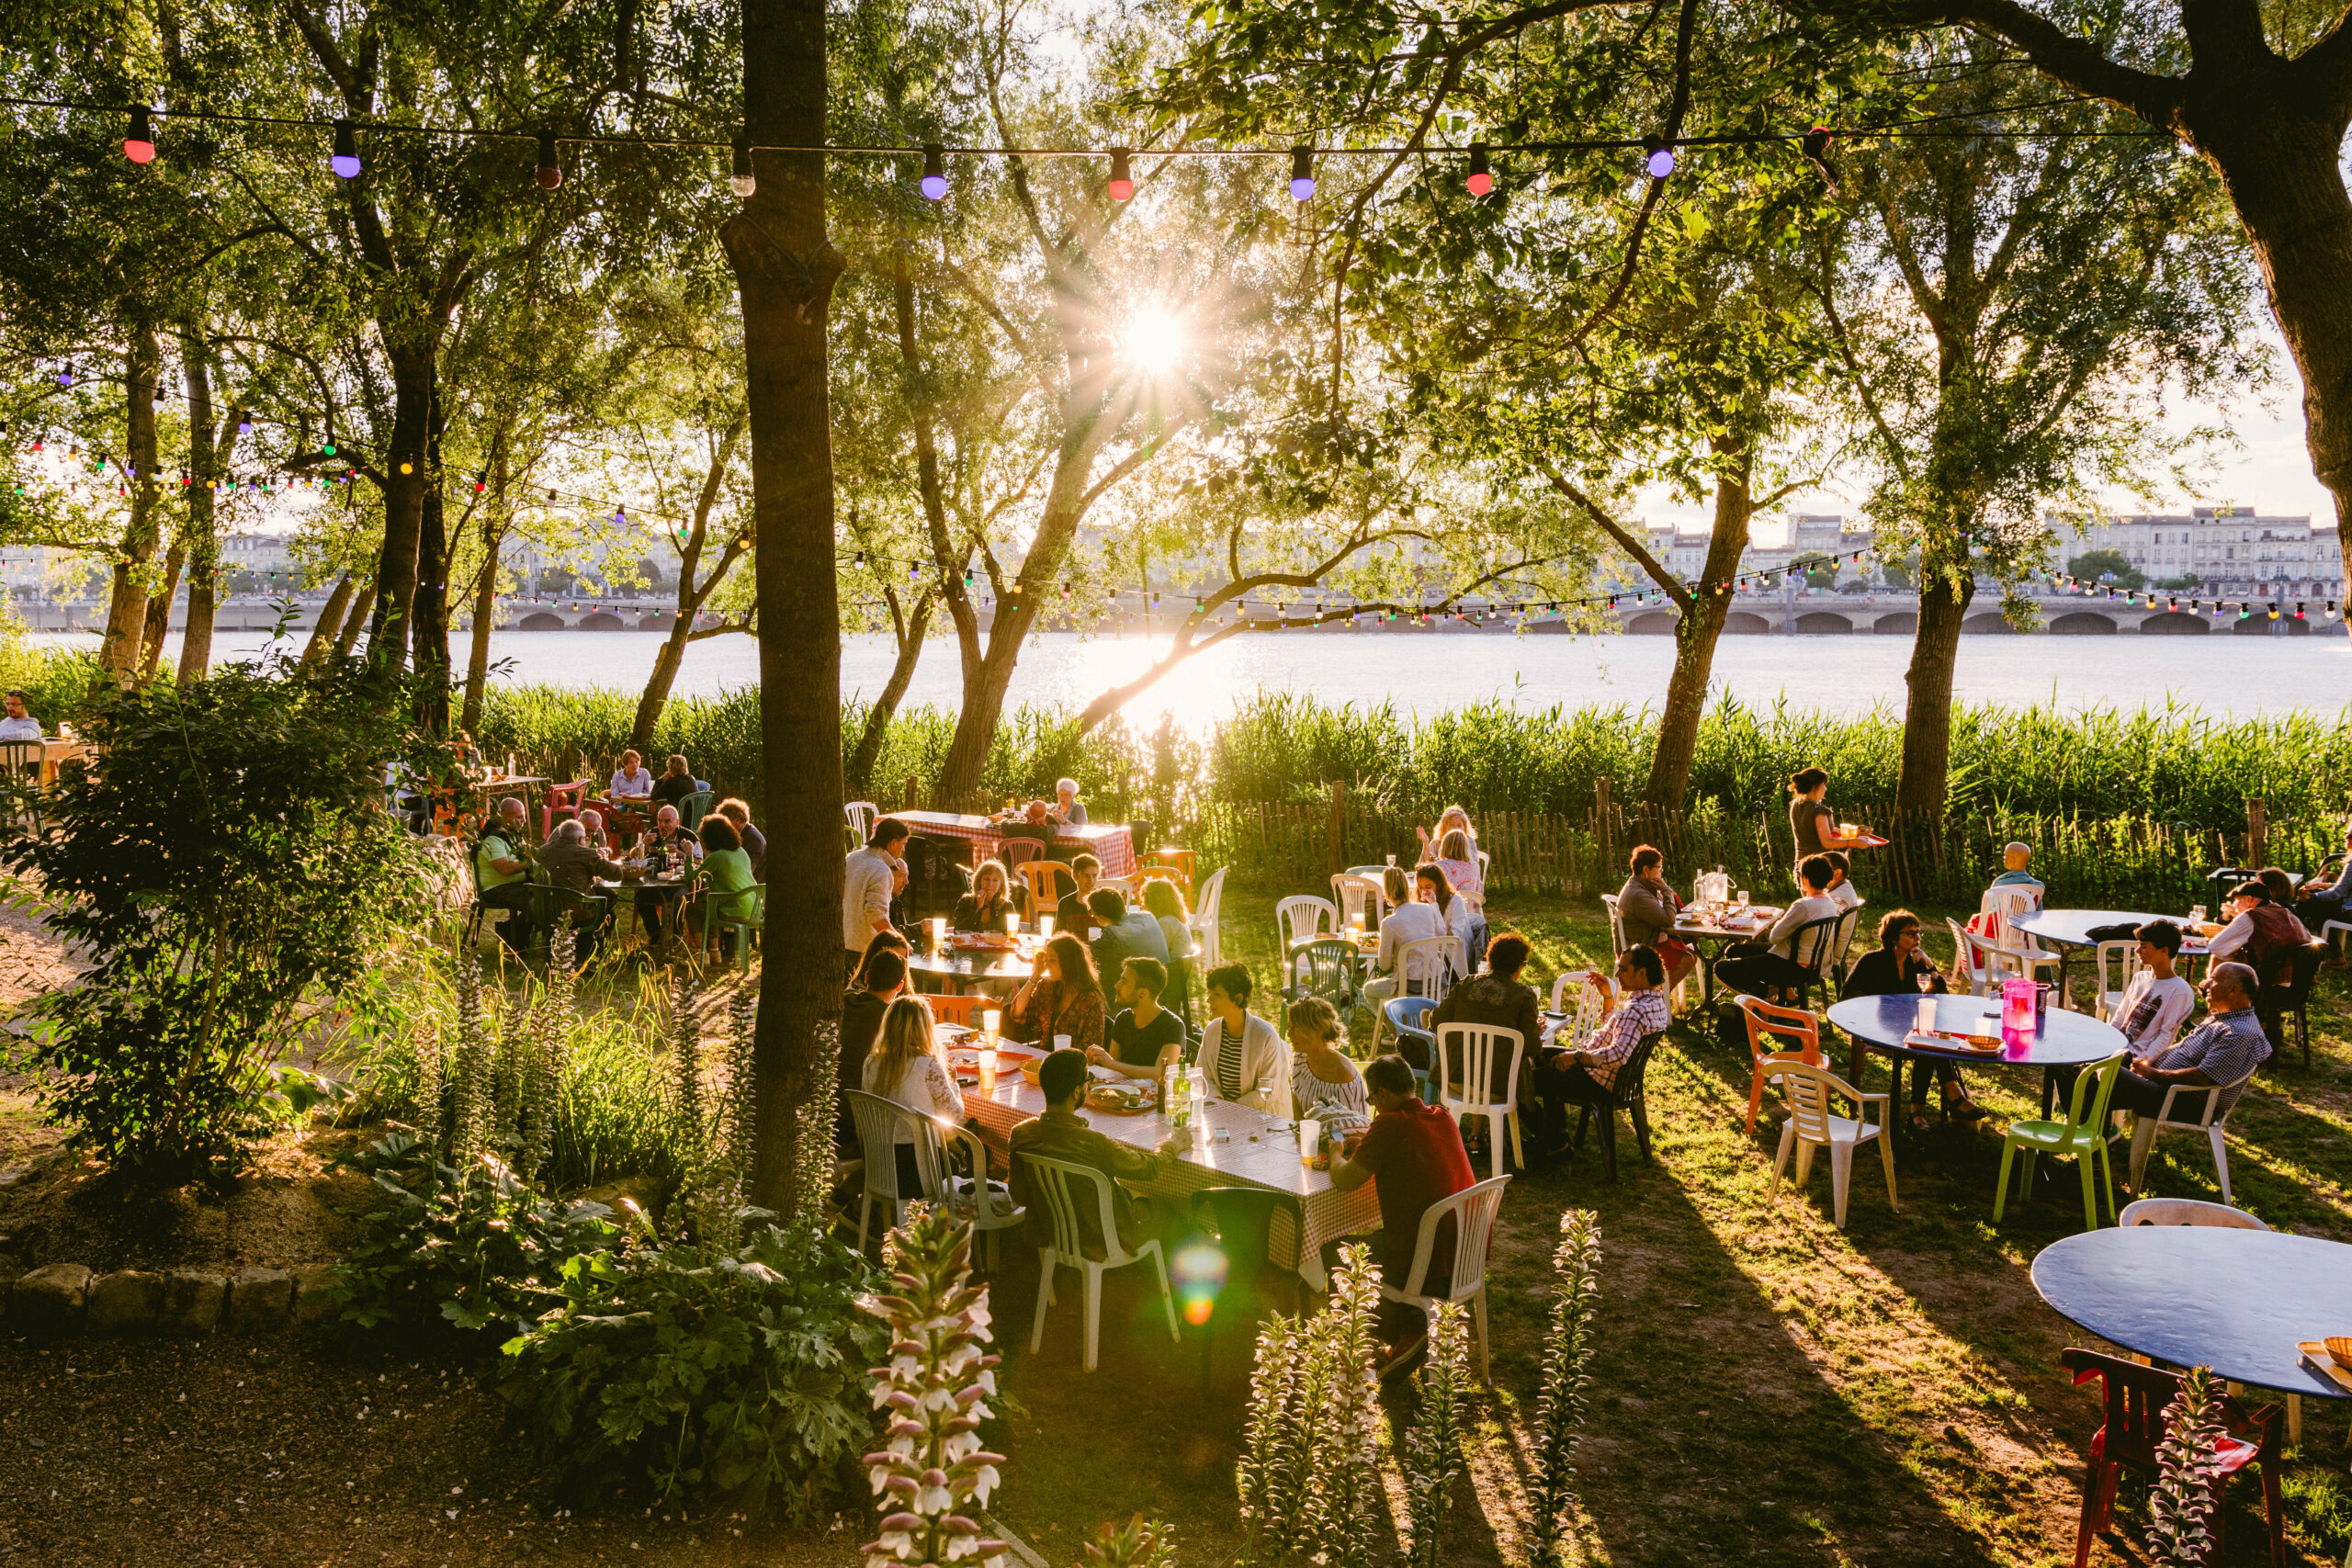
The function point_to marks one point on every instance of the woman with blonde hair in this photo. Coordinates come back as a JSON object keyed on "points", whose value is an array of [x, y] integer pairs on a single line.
{"points": [[984, 909], [904, 1066], [1325, 1086]]}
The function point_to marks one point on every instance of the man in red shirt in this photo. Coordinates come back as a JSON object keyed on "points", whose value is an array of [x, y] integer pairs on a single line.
{"points": [[1413, 1153]]}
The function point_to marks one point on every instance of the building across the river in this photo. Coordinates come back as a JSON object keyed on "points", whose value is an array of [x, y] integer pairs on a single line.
{"points": [[2229, 551]]}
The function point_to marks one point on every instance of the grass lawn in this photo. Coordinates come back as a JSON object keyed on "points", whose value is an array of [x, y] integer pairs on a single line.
{"points": [[1769, 1390]]}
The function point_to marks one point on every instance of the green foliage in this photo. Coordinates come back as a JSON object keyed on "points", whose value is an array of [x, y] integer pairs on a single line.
{"points": [[931, 1474], [1138, 1543], [1568, 1353], [224, 857], [2106, 566], [1309, 1478], [1434, 1462], [706, 1371], [2182, 1504]]}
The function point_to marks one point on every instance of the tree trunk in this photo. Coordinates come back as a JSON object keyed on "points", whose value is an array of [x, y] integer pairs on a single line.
{"points": [[159, 607], [329, 626], [784, 268], [415, 372], [126, 631], [691, 594], [1947, 584], [348, 638], [1699, 628], [203, 576], [910, 628], [477, 643], [656, 695], [429, 617]]}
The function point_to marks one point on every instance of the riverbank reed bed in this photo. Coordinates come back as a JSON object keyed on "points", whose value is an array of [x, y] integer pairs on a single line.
{"points": [[2170, 765]]}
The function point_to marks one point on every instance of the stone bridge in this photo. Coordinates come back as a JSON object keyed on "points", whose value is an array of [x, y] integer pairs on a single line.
{"points": [[1839, 615]]}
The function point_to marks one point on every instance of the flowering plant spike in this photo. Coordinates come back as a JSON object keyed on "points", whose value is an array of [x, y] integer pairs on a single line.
{"points": [[1567, 1351]]}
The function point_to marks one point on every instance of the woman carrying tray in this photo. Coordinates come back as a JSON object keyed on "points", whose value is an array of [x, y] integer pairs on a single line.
{"points": [[1899, 969]]}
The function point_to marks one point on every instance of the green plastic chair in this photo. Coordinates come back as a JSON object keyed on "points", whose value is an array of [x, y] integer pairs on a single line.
{"points": [[750, 913], [695, 806], [2082, 1134]]}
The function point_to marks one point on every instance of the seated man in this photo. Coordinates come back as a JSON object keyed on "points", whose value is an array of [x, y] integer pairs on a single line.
{"points": [[1762, 968], [1146, 1038], [1070, 914], [2155, 1001], [502, 872], [2015, 858], [1413, 1153], [1060, 1133], [2260, 933], [570, 861], [1496, 997], [2224, 1048], [1067, 808], [755, 843], [1126, 933], [1587, 1075], [2318, 901], [20, 724], [881, 980]]}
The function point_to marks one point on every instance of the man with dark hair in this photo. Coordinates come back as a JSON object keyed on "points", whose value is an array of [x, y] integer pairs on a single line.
{"points": [[1061, 1134], [1497, 998], [1071, 914], [1142, 1033], [1413, 1153], [869, 881], [1124, 933], [2155, 1001], [1584, 1072], [885, 975]]}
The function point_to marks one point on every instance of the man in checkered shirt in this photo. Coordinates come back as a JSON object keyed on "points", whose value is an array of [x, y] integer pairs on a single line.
{"points": [[2224, 1048], [1588, 1076]]}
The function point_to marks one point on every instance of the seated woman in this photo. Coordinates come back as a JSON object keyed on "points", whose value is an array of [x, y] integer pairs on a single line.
{"points": [[1646, 908], [1458, 858], [676, 782], [1324, 1084], [1241, 1059], [1166, 905], [630, 781], [726, 878], [988, 904], [1062, 997], [1897, 967], [905, 1067], [1452, 819]]}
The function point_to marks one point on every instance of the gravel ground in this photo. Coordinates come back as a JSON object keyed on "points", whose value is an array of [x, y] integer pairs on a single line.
{"points": [[303, 1449]]}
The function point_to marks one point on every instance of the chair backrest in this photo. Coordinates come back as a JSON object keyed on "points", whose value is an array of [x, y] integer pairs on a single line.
{"points": [[1811, 1091], [1593, 999], [695, 806], [2010, 902], [1770, 1024], [1465, 1055], [861, 814], [2305, 962], [1322, 967], [1374, 872], [2136, 1397], [2212, 1107], [1964, 959], [1425, 968], [1360, 898], [1812, 944], [1633, 1079], [1300, 915], [1015, 852], [2097, 1082], [2114, 965], [880, 1123], [1045, 879], [1409, 1012], [1066, 1187], [1616, 923], [1994, 962], [1473, 1209], [2187, 1212], [965, 1010], [1844, 940], [1206, 912]]}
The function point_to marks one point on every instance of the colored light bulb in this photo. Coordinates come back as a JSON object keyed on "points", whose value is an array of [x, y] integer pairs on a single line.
{"points": [[935, 172], [345, 161], [1123, 182], [139, 144], [1482, 178], [550, 173], [1660, 160], [1302, 173]]}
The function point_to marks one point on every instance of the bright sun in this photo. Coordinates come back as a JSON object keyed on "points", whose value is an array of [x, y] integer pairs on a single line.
{"points": [[1153, 339]]}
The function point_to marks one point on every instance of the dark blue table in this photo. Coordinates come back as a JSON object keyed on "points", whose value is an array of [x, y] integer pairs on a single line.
{"points": [[2235, 1301]]}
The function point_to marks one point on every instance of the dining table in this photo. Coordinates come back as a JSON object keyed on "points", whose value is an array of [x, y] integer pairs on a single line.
{"points": [[1237, 1145], [2069, 931], [1710, 928], [960, 964], [1111, 843], [1886, 1023], [669, 890]]}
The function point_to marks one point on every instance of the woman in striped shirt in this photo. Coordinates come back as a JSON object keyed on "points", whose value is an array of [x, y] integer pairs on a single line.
{"points": [[1324, 1085]]}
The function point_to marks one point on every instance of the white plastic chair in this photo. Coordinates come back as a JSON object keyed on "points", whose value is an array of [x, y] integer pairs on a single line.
{"points": [[2012, 899], [987, 1205], [2107, 986], [2214, 1123], [1360, 897], [2186, 1212], [1474, 1209], [1592, 1002], [1302, 916], [879, 1123], [1993, 963], [1060, 1182], [1470, 1091], [1616, 923], [2012, 904], [861, 814], [1206, 910], [1811, 1092]]}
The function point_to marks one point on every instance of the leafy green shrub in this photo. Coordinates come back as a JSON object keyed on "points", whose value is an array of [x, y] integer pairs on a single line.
{"points": [[224, 858], [705, 1371]]}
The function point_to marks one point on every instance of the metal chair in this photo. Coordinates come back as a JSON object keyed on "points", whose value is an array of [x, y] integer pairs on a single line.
{"points": [[2082, 1134], [1302, 917], [1766, 1019], [1060, 1184], [2212, 1122], [861, 814], [1469, 1091], [1472, 1212], [1811, 1091], [1627, 1093]]}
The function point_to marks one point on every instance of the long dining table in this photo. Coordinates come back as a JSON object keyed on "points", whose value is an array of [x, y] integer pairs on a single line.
{"points": [[1257, 1150]]}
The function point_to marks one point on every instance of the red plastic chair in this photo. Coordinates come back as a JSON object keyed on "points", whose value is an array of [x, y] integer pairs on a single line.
{"points": [[2134, 1428], [1769, 1024], [563, 800]]}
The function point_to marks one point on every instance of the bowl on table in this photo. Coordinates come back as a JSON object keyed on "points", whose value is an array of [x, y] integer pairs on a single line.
{"points": [[1123, 1099], [2339, 1348]]}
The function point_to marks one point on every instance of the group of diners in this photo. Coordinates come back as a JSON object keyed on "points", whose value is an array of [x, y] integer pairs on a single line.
{"points": [[723, 858]]}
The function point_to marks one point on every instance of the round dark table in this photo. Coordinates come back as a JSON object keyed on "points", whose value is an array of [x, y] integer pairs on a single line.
{"points": [[1880, 1023], [2235, 1301], [954, 971]]}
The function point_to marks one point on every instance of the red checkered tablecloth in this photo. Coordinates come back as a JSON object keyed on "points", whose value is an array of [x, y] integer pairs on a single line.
{"points": [[1112, 843]]}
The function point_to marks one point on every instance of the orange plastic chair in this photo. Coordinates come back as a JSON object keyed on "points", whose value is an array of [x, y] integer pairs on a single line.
{"points": [[1181, 862], [965, 1010], [1045, 879], [1768, 1025]]}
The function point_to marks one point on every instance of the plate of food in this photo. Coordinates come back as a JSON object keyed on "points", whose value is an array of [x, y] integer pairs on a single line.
{"points": [[1951, 1040], [1123, 1098]]}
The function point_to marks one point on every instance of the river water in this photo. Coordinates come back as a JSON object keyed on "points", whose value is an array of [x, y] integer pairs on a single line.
{"points": [[2223, 676]]}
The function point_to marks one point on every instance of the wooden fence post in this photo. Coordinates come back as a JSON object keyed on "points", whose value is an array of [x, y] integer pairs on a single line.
{"points": [[1604, 840], [915, 797], [2256, 830]]}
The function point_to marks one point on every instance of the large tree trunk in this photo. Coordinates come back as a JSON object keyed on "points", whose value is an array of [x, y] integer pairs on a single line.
{"points": [[357, 621], [414, 368], [159, 607], [429, 618], [203, 579], [329, 626], [485, 612], [656, 695], [910, 628], [1947, 584], [204, 453], [691, 594], [127, 608], [786, 268], [1699, 628]]}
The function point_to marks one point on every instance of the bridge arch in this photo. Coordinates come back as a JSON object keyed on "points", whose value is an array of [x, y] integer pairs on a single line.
{"points": [[1899, 623], [2083, 623], [1824, 623], [1655, 624], [2175, 623], [541, 621], [1991, 622], [1742, 622], [601, 621]]}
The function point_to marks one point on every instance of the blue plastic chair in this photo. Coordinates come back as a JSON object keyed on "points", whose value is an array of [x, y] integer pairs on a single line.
{"points": [[1405, 1015]]}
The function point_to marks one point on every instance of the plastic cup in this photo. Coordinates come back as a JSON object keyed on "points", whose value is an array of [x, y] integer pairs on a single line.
{"points": [[1045, 927], [1926, 1014], [1310, 1139], [1061, 1042], [991, 1019]]}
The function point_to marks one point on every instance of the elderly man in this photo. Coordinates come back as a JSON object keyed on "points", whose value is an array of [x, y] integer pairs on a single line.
{"points": [[502, 871], [2015, 858], [2224, 1048], [571, 861]]}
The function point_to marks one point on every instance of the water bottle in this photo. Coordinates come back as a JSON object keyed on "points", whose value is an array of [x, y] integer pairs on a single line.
{"points": [[1179, 1101]]}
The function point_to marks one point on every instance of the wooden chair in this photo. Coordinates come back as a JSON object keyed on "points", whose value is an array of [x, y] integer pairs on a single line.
{"points": [[1464, 1078], [1769, 1024], [1303, 917], [2136, 1398], [2213, 1121], [2082, 1134], [1626, 1094], [1473, 1211], [1062, 1185], [1046, 880], [1811, 1091]]}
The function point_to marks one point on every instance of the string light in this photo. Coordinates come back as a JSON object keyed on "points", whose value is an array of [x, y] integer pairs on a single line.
{"points": [[1302, 173], [1660, 159], [1482, 178], [139, 144], [742, 181], [934, 171], [345, 161], [246, 422], [1123, 180], [550, 173]]}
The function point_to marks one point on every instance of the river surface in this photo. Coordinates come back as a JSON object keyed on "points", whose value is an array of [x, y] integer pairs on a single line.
{"points": [[1427, 673]]}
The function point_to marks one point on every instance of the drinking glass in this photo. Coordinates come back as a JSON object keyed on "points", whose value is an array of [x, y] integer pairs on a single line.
{"points": [[1045, 927], [1926, 1014], [991, 1019], [1310, 1138]]}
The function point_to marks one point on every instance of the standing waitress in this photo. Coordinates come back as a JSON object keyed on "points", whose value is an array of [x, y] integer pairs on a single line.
{"points": [[1814, 824]]}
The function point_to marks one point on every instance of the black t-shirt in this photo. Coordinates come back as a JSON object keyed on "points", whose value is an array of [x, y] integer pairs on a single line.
{"points": [[1071, 915], [1140, 1045], [861, 1022]]}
